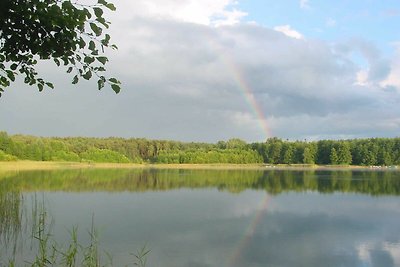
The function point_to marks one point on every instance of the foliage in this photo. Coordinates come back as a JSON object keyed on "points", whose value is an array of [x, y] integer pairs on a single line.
{"points": [[344, 154], [235, 156], [7, 157], [367, 152], [69, 33], [104, 155], [334, 156]]}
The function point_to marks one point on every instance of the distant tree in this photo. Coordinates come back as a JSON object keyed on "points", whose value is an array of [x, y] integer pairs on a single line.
{"points": [[333, 156], [274, 150], [6, 157], [324, 151], [288, 154], [221, 144], [235, 143], [104, 155], [6, 143], [309, 155], [69, 33], [343, 154]]}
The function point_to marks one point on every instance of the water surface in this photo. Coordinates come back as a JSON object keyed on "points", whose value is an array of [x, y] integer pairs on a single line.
{"points": [[236, 218]]}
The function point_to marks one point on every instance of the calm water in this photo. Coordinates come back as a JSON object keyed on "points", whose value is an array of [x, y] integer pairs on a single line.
{"points": [[200, 218]]}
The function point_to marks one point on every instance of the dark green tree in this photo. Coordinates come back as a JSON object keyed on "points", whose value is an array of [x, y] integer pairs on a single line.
{"points": [[235, 143], [274, 150], [69, 33], [309, 155], [333, 156], [344, 154], [288, 154]]}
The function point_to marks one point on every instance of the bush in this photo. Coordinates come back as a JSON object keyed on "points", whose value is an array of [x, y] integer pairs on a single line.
{"points": [[104, 155], [7, 157]]}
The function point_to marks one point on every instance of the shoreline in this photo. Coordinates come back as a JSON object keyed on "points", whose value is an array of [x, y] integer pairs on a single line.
{"points": [[24, 165]]}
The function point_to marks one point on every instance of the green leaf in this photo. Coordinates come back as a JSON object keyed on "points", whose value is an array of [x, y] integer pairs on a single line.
{"points": [[50, 85], [102, 21], [87, 13], [40, 86], [4, 81], [116, 88], [87, 75], [111, 7], [92, 45], [103, 60], [57, 61], [98, 11], [89, 60], [10, 75], [103, 2], [113, 80], [82, 43], [75, 80], [100, 84], [96, 29], [69, 69], [106, 40], [14, 66]]}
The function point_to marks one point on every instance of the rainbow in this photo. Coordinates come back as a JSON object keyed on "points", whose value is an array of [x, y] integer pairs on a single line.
{"points": [[256, 109], [249, 96], [243, 85], [248, 234], [245, 88]]}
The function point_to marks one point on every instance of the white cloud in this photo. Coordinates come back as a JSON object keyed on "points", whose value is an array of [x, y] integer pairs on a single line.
{"points": [[393, 79], [304, 3], [362, 78], [205, 12], [229, 18], [330, 22], [287, 30]]}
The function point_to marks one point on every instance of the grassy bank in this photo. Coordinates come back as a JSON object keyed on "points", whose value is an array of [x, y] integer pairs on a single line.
{"points": [[52, 165], [25, 165]]}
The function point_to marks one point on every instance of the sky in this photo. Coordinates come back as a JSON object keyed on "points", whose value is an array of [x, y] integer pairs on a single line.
{"points": [[213, 70]]}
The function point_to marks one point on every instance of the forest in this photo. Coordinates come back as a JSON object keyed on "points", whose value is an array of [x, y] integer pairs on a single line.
{"points": [[365, 152]]}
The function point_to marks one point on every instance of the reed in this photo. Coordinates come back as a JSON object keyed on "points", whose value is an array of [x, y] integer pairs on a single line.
{"points": [[46, 251]]}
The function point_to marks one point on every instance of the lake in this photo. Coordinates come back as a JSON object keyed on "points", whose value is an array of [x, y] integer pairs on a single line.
{"points": [[199, 218]]}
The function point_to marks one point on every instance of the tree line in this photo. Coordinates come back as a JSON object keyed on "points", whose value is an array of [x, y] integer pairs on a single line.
{"points": [[367, 152]]}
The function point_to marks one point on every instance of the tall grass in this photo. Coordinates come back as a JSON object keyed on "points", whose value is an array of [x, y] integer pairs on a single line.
{"points": [[46, 252]]}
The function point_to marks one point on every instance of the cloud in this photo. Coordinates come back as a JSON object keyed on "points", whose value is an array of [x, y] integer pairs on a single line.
{"points": [[288, 31], [330, 22], [393, 78], [206, 12], [391, 13], [185, 79], [304, 4], [362, 78]]}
